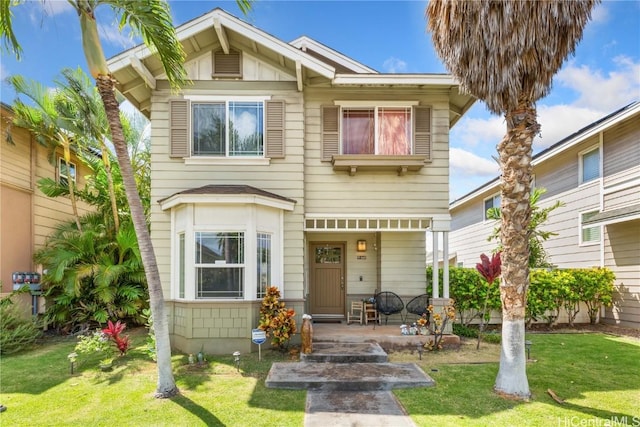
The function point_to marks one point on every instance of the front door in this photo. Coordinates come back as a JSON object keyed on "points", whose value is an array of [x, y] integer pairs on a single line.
{"points": [[326, 284]]}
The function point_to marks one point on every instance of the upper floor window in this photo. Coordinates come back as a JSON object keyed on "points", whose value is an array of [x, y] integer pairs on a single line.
{"points": [[376, 130], [589, 165], [227, 129], [66, 171], [491, 202], [589, 235], [214, 129]]}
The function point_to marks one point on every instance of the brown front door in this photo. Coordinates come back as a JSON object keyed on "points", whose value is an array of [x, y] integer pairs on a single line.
{"points": [[326, 284]]}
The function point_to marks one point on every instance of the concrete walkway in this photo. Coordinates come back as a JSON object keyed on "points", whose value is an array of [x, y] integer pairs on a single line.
{"points": [[349, 384]]}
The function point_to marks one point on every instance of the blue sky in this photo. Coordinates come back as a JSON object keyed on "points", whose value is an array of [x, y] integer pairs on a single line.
{"points": [[389, 36]]}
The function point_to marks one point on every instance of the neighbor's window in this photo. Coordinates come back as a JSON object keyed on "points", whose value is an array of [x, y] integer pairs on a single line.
{"points": [[219, 264], [263, 263], [589, 234], [491, 202], [590, 165], [376, 130], [66, 171], [228, 129]]}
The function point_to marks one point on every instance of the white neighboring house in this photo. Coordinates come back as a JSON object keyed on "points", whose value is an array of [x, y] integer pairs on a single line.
{"points": [[287, 164], [596, 173]]}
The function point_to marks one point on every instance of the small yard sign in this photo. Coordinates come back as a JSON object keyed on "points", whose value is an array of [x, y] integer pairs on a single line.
{"points": [[258, 336]]}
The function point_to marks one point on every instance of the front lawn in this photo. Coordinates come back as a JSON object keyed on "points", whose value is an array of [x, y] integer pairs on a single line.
{"points": [[597, 375]]}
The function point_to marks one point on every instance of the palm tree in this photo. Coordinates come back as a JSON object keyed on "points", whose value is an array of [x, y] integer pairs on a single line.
{"points": [[152, 20], [506, 54]]}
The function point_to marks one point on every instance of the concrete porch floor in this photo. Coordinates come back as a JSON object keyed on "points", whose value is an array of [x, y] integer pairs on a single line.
{"points": [[387, 336]]}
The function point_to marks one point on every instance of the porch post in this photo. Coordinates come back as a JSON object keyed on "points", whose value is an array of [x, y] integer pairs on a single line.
{"points": [[445, 264], [434, 281]]}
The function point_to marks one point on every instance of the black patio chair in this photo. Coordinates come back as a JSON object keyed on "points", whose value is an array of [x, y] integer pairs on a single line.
{"points": [[418, 306], [388, 303]]}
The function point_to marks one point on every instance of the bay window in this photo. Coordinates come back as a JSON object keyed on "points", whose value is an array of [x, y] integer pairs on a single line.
{"points": [[219, 262]]}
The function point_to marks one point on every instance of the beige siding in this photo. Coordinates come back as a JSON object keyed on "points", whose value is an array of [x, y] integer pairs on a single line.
{"points": [[622, 255], [252, 69], [282, 176], [622, 148], [331, 192], [402, 258]]}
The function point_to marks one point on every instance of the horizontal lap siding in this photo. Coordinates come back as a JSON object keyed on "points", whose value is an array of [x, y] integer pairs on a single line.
{"points": [[622, 256], [402, 269], [15, 159], [331, 192], [622, 148], [283, 177]]}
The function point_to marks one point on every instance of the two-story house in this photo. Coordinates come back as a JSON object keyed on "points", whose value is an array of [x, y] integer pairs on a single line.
{"points": [[27, 216], [286, 164], [595, 173]]}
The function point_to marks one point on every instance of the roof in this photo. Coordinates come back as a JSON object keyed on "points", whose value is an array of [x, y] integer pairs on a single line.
{"points": [[561, 146], [137, 69], [227, 194], [627, 213]]}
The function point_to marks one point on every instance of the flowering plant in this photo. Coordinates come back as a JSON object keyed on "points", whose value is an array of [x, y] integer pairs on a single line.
{"points": [[490, 269], [439, 323]]}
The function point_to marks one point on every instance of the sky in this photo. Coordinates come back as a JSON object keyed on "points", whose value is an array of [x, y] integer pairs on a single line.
{"points": [[388, 36]]}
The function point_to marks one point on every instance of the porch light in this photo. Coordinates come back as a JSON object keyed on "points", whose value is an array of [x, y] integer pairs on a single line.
{"points": [[362, 246]]}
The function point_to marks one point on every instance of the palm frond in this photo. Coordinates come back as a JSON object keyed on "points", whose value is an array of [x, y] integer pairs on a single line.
{"points": [[9, 40]]}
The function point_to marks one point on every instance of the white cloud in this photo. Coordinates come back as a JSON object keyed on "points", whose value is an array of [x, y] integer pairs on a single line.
{"points": [[394, 65], [600, 14], [4, 72], [471, 132], [559, 121], [112, 35], [40, 10], [602, 92], [464, 162]]}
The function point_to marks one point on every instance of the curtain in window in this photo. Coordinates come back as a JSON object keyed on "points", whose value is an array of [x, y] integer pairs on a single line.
{"points": [[358, 131], [394, 131]]}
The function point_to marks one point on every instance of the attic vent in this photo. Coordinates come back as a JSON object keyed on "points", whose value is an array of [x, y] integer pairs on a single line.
{"points": [[227, 65]]}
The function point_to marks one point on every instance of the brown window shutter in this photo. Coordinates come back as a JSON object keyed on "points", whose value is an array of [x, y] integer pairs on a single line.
{"points": [[330, 132], [179, 110], [227, 65], [274, 135], [422, 131]]}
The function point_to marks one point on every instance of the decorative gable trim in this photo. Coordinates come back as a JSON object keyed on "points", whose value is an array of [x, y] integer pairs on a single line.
{"points": [[227, 65], [274, 129], [179, 127], [422, 132], [330, 132]]}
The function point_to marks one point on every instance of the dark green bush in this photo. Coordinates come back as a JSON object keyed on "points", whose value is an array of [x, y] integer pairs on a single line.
{"points": [[492, 338], [16, 332], [465, 331]]}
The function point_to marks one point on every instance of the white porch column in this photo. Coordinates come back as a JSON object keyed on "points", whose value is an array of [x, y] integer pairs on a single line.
{"points": [[434, 276], [445, 264]]}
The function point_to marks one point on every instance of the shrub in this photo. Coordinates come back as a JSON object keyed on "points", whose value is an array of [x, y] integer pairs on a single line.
{"points": [[16, 331], [596, 289], [465, 331], [276, 320], [544, 297]]}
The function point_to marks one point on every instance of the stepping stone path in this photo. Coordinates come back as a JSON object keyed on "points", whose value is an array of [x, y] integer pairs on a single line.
{"points": [[349, 384]]}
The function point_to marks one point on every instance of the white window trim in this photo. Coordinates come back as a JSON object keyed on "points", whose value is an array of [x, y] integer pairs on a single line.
{"points": [[581, 155], [60, 175], [194, 266], [271, 240], [195, 159], [484, 211], [580, 228], [388, 104]]}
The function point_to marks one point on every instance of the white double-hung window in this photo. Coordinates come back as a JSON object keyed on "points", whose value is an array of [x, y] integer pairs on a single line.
{"points": [[220, 264], [227, 128]]}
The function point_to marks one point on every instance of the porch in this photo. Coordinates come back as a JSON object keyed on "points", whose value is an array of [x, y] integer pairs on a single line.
{"points": [[387, 336]]}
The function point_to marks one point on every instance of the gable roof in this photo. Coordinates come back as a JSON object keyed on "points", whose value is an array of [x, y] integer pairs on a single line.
{"points": [[227, 194], [137, 69], [561, 146]]}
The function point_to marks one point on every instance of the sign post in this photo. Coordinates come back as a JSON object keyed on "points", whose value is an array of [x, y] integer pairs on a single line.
{"points": [[258, 336]]}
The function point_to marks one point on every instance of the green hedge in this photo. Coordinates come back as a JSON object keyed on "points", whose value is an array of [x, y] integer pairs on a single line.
{"points": [[549, 292]]}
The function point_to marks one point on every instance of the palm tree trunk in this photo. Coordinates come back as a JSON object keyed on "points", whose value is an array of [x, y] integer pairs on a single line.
{"points": [[166, 386], [515, 163], [112, 191]]}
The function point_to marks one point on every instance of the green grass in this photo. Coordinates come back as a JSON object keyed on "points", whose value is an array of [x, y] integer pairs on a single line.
{"points": [[597, 375], [38, 389]]}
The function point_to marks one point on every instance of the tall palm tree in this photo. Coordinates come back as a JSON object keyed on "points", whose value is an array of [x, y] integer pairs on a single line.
{"points": [[506, 54], [152, 20]]}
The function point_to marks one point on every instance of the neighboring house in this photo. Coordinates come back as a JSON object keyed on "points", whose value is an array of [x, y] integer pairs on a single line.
{"points": [[286, 164], [596, 174], [27, 216]]}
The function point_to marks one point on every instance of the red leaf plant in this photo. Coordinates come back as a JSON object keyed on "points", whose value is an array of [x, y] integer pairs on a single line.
{"points": [[113, 331], [490, 269]]}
